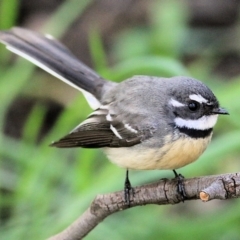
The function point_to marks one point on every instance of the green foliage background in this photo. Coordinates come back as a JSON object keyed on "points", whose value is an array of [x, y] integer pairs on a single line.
{"points": [[46, 189]]}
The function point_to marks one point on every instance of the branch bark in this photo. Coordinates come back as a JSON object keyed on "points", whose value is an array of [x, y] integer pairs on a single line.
{"points": [[163, 192]]}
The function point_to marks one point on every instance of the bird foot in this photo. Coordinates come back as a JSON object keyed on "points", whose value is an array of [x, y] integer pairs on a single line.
{"points": [[128, 190], [180, 186]]}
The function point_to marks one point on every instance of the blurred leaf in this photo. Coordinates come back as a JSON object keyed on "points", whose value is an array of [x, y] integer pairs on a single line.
{"points": [[148, 65], [8, 13], [132, 43], [34, 123], [97, 51], [65, 15], [169, 20]]}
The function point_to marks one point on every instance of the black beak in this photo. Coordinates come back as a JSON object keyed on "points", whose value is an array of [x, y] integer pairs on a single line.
{"points": [[220, 111]]}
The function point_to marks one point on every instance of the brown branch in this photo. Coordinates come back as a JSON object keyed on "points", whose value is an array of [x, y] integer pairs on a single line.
{"points": [[222, 187]]}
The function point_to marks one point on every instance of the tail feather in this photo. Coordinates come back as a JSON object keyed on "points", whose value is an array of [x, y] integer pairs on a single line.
{"points": [[53, 57]]}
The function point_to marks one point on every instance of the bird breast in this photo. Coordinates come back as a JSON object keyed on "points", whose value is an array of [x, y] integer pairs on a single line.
{"points": [[172, 155]]}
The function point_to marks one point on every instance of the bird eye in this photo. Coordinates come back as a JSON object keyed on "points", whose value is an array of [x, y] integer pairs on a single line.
{"points": [[194, 106]]}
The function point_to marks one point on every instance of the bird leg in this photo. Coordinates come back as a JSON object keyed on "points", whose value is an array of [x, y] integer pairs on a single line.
{"points": [[128, 190], [180, 185]]}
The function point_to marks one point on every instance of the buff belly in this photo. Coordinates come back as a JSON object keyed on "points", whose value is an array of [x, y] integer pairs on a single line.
{"points": [[172, 156]]}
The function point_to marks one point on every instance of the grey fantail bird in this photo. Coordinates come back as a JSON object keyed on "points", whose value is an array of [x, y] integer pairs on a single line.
{"points": [[141, 123]]}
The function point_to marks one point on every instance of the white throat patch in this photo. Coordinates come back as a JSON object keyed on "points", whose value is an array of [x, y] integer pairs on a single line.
{"points": [[203, 123]]}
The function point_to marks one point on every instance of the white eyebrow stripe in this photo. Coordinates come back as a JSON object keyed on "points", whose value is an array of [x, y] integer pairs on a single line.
{"points": [[198, 98], [114, 130], [203, 123], [176, 103]]}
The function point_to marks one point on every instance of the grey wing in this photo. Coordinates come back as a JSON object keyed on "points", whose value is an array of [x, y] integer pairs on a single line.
{"points": [[101, 129]]}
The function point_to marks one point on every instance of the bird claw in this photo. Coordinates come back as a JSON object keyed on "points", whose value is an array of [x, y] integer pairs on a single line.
{"points": [[180, 186]]}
